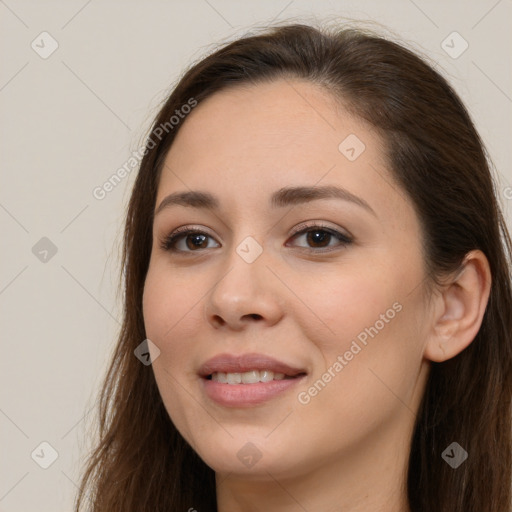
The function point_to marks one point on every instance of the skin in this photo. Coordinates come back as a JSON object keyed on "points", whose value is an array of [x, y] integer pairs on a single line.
{"points": [[347, 448]]}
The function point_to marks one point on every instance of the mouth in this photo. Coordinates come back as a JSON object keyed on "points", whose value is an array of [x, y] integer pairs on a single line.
{"points": [[247, 380], [250, 377]]}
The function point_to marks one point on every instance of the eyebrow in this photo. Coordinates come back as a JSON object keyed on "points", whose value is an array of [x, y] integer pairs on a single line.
{"points": [[287, 196]]}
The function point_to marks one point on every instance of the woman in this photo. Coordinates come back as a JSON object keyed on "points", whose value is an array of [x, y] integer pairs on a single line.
{"points": [[341, 338]]}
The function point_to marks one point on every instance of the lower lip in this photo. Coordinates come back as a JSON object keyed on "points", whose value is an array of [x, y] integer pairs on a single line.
{"points": [[246, 395]]}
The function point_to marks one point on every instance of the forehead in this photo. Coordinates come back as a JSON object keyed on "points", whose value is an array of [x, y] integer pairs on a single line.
{"points": [[283, 114], [254, 139]]}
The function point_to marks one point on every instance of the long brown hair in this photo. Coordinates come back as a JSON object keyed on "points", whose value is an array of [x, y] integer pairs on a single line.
{"points": [[141, 462]]}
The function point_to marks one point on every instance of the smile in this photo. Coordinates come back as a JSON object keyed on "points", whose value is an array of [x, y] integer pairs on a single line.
{"points": [[247, 395], [250, 377], [247, 380]]}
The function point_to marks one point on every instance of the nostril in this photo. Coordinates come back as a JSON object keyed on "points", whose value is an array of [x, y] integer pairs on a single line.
{"points": [[218, 320]]}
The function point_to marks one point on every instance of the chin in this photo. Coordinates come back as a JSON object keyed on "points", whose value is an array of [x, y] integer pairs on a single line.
{"points": [[251, 457]]}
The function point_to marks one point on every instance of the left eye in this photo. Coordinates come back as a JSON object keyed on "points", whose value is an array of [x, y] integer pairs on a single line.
{"points": [[319, 237]]}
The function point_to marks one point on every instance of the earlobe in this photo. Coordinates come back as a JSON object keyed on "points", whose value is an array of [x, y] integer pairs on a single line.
{"points": [[460, 309]]}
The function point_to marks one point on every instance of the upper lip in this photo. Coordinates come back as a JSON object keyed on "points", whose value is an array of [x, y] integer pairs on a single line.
{"points": [[228, 363]]}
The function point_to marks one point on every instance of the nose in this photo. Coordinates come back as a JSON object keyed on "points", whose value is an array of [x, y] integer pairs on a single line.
{"points": [[245, 294]]}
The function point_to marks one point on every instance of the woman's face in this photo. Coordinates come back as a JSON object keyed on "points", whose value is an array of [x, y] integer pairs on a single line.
{"points": [[308, 263]]}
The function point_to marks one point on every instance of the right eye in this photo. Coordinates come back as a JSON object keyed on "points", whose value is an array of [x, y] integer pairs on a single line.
{"points": [[190, 240]]}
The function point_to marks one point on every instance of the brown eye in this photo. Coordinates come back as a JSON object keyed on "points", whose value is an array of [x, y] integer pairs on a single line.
{"points": [[193, 240], [320, 237], [196, 241]]}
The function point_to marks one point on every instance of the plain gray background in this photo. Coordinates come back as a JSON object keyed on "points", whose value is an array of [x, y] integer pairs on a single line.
{"points": [[69, 120]]}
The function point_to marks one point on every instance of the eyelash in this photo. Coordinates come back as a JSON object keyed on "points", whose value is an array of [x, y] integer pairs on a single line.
{"points": [[169, 242]]}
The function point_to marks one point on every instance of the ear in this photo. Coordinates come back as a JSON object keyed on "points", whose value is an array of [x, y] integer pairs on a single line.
{"points": [[459, 309]]}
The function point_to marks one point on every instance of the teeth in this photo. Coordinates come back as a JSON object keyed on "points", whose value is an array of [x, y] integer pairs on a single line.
{"points": [[234, 378], [251, 377], [266, 375], [221, 377]]}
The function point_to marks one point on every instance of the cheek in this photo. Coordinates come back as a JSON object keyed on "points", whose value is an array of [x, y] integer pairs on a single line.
{"points": [[169, 321], [370, 318], [368, 371], [343, 304], [169, 306]]}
